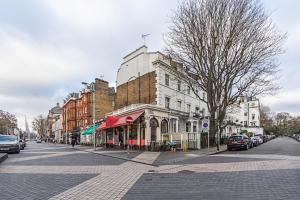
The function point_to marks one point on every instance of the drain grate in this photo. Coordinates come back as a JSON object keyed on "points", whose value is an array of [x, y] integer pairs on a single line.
{"points": [[186, 172], [151, 170]]}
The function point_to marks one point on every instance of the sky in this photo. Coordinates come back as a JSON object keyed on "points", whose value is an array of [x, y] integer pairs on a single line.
{"points": [[48, 47]]}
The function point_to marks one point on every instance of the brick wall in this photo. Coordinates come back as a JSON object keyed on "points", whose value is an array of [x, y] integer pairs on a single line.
{"points": [[69, 116], [104, 100], [139, 90]]}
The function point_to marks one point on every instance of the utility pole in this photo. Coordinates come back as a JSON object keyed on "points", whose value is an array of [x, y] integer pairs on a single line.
{"points": [[94, 113]]}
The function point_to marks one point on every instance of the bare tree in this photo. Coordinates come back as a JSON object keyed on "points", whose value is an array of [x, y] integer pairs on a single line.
{"points": [[39, 125], [228, 48], [8, 121]]}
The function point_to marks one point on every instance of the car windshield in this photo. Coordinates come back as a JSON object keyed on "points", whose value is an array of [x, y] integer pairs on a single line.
{"points": [[10, 138], [235, 138]]}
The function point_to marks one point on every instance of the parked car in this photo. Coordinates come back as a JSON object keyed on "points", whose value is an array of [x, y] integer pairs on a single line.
{"points": [[255, 141], [259, 138], [265, 138], [38, 141], [9, 144], [239, 142]]}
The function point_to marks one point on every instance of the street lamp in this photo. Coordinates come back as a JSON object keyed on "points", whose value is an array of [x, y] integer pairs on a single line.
{"points": [[218, 129]]}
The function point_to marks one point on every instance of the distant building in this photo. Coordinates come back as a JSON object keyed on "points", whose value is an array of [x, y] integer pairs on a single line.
{"points": [[53, 114], [244, 116]]}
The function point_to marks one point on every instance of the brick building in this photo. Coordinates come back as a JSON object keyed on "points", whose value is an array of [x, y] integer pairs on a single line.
{"points": [[78, 107]]}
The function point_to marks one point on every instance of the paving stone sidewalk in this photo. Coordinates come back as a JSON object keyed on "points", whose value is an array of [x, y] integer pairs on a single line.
{"points": [[153, 158], [3, 156]]}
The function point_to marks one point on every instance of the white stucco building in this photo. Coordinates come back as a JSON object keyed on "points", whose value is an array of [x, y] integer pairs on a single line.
{"points": [[244, 116], [175, 105], [172, 114]]}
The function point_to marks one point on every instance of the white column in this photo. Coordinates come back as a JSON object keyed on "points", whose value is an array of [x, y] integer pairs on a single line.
{"points": [[158, 132], [198, 136], [147, 132], [138, 132], [177, 127], [192, 126]]}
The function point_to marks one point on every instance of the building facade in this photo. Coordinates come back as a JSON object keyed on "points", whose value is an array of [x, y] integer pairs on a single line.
{"points": [[52, 116], [152, 86], [78, 108], [152, 81], [244, 116]]}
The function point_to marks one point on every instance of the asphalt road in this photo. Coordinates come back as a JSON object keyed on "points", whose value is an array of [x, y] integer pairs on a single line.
{"points": [[47, 171]]}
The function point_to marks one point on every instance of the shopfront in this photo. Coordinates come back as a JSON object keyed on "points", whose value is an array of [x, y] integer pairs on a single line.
{"points": [[124, 130]]}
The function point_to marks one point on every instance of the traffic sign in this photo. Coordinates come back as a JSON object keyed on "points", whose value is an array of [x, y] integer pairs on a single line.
{"points": [[205, 124]]}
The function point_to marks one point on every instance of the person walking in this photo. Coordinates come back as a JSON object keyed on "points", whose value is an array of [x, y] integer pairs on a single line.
{"points": [[73, 141]]}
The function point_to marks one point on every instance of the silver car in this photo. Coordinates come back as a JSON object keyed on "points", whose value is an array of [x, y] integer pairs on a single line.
{"points": [[9, 144]]}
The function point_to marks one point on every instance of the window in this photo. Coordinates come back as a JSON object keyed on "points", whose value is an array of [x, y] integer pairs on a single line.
{"points": [[167, 80], [245, 123], [188, 108], [253, 116], [197, 110], [245, 114], [164, 126], [167, 102], [178, 85], [188, 89], [203, 111], [179, 105]]}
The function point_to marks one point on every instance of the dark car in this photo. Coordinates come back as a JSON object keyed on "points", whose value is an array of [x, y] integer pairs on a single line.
{"points": [[9, 144], [239, 142], [265, 138]]}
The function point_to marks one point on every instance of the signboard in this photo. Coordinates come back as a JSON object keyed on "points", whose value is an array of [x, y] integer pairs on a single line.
{"points": [[205, 124]]}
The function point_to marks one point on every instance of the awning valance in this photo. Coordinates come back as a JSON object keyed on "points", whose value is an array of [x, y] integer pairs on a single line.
{"points": [[90, 130], [114, 121]]}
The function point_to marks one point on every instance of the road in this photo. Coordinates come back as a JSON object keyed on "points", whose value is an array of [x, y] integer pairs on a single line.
{"points": [[47, 171]]}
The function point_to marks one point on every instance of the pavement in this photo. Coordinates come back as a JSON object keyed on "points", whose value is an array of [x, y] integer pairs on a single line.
{"points": [[3, 156], [48, 171], [152, 158]]}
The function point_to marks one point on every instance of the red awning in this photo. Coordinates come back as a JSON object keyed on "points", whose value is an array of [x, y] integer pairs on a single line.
{"points": [[114, 121], [102, 126], [125, 120]]}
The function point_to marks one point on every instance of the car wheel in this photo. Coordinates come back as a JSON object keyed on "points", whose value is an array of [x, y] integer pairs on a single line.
{"points": [[246, 147], [228, 148]]}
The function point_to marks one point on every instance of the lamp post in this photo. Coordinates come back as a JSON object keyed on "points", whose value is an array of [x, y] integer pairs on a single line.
{"points": [[92, 88], [94, 113], [218, 129]]}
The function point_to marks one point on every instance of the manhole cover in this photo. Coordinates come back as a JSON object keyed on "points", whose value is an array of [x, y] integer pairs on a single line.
{"points": [[186, 172]]}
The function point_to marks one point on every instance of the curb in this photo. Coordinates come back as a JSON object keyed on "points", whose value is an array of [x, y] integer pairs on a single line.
{"points": [[3, 157], [120, 158], [217, 152]]}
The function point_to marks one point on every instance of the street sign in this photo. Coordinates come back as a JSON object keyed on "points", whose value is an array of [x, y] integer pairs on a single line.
{"points": [[205, 124]]}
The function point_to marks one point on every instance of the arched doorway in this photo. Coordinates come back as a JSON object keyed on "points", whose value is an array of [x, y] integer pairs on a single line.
{"points": [[153, 124]]}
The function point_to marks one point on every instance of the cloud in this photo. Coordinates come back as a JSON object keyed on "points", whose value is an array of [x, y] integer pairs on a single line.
{"points": [[34, 74], [285, 101], [85, 15]]}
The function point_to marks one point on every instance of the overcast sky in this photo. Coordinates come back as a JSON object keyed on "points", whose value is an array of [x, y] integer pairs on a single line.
{"points": [[48, 47]]}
